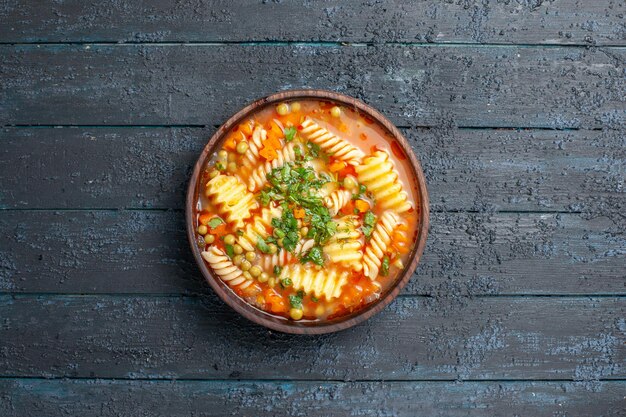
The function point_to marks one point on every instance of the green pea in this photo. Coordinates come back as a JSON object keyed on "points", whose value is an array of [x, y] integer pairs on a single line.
{"points": [[202, 229], [245, 265], [264, 277], [209, 238], [238, 249], [282, 109], [255, 271], [279, 233], [222, 155], [251, 256], [237, 260], [229, 239], [242, 147], [273, 248]]}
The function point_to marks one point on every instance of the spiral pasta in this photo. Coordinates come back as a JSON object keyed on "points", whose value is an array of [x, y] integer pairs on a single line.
{"points": [[258, 228], [378, 174], [337, 200], [231, 198], [345, 247], [283, 257], [258, 177], [224, 268], [255, 144], [331, 144], [377, 246], [323, 282]]}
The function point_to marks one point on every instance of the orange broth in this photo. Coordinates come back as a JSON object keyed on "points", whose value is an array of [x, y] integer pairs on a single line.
{"points": [[268, 292]]}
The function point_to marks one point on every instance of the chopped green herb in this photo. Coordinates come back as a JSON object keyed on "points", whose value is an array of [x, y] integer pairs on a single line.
{"points": [[295, 301], [315, 255], [384, 268], [298, 152], [277, 270], [290, 133], [360, 193], [262, 245], [314, 149], [239, 232], [300, 293], [230, 251], [286, 228], [214, 222], [286, 282], [314, 299], [368, 224]]}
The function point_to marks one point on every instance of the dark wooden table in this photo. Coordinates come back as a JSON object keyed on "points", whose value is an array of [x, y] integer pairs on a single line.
{"points": [[517, 110]]}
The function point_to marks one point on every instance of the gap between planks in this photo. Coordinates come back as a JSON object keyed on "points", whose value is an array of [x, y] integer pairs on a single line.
{"points": [[315, 381], [331, 44]]}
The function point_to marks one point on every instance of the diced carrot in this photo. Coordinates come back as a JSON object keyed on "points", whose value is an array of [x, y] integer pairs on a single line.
{"points": [[337, 166], [273, 143], [299, 213], [274, 301], [362, 205], [204, 218], [274, 128], [291, 119], [348, 208], [247, 127], [268, 153], [348, 170], [231, 142]]}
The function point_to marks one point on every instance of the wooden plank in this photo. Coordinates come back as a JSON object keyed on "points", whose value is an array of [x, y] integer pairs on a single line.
{"points": [[199, 338], [534, 170], [431, 86], [598, 22], [147, 252], [220, 398]]}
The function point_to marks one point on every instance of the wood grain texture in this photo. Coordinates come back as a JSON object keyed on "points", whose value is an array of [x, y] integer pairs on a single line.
{"points": [[466, 254], [599, 22], [546, 338], [414, 86], [220, 398], [466, 169]]}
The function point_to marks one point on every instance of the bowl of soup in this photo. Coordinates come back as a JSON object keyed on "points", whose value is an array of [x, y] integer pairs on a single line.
{"points": [[307, 211]]}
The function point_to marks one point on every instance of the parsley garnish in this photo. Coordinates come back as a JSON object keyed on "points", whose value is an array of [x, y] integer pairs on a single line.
{"points": [[314, 299], [290, 133], [384, 268], [277, 270], [294, 186], [263, 247], [230, 251], [214, 222], [362, 191], [295, 301], [314, 255], [287, 229], [368, 224], [285, 282]]}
